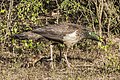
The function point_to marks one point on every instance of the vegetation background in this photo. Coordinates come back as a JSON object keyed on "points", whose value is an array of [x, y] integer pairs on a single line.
{"points": [[19, 58]]}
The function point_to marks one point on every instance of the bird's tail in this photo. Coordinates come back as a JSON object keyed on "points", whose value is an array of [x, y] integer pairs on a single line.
{"points": [[27, 35]]}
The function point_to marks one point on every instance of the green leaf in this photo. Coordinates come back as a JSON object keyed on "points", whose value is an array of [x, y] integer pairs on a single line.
{"points": [[2, 11]]}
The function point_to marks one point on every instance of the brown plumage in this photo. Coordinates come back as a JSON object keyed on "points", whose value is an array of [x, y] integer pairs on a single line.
{"points": [[66, 33]]}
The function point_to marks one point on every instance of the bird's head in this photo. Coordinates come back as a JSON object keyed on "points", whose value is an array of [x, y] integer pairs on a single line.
{"points": [[94, 36]]}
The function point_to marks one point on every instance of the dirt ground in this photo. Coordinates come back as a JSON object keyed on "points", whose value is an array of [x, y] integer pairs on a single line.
{"points": [[85, 66]]}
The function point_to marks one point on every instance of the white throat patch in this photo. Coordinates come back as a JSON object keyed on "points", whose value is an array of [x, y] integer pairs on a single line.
{"points": [[71, 38]]}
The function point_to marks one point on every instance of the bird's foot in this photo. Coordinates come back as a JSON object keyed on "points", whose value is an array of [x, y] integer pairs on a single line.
{"points": [[68, 63], [51, 64]]}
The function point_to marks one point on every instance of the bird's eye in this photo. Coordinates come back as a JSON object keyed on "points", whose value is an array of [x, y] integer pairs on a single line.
{"points": [[90, 33]]}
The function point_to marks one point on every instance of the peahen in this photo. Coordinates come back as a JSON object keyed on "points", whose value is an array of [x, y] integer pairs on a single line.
{"points": [[66, 33]]}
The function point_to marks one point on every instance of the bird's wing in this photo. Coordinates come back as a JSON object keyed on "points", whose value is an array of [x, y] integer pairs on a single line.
{"points": [[57, 31]]}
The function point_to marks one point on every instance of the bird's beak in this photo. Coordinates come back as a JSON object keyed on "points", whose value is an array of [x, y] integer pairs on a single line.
{"points": [[103, 41]]}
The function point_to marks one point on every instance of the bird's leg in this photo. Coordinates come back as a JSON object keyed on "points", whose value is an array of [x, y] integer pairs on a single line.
{"points": [[51, 54], [72, 48], [119, 49], [119, 46], [60, 49], [65, 55], [60, 54]]}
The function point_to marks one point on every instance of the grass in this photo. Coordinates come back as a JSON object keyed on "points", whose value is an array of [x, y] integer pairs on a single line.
{"points": [[91, 64]]}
